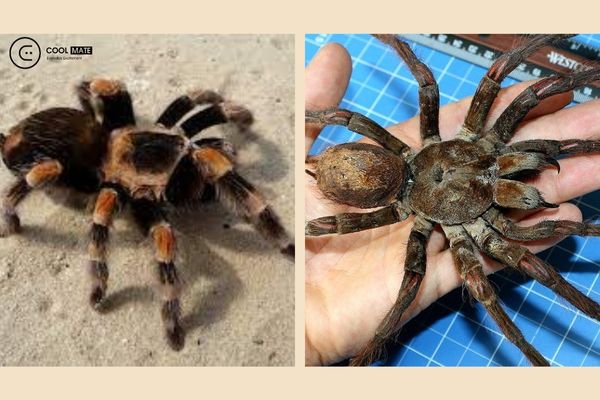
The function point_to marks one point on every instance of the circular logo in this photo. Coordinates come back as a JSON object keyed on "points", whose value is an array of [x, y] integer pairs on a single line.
{"points": [[25, 52]]}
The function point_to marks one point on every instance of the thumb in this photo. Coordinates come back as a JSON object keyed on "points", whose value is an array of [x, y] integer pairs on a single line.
{"points": [[326, 80]]}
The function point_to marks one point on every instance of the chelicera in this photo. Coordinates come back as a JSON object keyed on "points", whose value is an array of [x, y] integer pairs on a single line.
{"points": [[101, 151], [465, 185]]}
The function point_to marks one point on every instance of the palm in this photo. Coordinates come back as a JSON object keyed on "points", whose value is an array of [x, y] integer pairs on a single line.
{"points": [[351, 280]]}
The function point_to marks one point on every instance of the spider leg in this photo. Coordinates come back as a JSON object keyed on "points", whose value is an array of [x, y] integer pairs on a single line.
{"points": [[521, 259], [151, 217], [218, 112], [360, 124], [554, 148], [506, 124], [510, 164], [186, 103], [471, 272], [219, 144], [355, 222], [515, 194], [107, 204], [38, 176], [429, 94], [414, 271], [541, 230], [108, 101], [242, 197], [490, 84], [10, 220]]}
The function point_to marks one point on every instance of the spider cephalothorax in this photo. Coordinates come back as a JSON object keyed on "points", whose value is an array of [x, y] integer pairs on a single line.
{"points": [[465, 185], [102, 151]]}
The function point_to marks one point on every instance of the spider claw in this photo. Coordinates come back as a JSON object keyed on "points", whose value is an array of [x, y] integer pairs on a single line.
{"points": [[289, 250], [328, 117], [206, 96], [176, 337], [320, 226], [173, 330], [552, 161], [313, 117], [310, 173], [96, 298], [239, 115], [308, 228], [11, 224], [548, 205]]}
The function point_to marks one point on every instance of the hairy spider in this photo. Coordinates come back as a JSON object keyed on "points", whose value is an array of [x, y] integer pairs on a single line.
{"points": [[465, 185], [101, 151]]}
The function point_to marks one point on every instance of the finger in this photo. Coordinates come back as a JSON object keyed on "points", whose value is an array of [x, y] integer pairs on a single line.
{"points": [[579, 122], [326, 79], [452, 115], [546, 106]]}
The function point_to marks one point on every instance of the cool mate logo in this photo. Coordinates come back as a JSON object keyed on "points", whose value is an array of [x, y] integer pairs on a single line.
{"points": [[25, 52]]}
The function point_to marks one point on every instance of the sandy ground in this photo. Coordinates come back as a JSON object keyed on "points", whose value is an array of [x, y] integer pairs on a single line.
{"points": [[238, 303]]}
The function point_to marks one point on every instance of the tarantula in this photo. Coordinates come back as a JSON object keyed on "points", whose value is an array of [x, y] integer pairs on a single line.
{"points": [[466, 185], [101, 151]]}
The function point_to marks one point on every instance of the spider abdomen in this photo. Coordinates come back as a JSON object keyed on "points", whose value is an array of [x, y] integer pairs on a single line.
{"points": [[360, 175], [67, 135], [453, 182]]}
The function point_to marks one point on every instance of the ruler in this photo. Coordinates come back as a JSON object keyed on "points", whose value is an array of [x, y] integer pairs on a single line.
{"points": [[566, 56]]}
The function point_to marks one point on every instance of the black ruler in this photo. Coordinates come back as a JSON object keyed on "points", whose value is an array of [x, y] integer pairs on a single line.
{"points": [[564, 57]]}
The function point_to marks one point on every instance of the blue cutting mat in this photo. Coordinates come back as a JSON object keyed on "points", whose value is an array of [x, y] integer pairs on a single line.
{"points": [[454, 332]]}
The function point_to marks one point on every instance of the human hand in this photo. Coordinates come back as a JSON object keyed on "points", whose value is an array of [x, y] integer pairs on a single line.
{"points": [[353, 280]]}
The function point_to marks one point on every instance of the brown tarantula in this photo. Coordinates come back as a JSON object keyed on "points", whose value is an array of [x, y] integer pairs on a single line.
{"points": [[102, 151], [466, 185]]}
